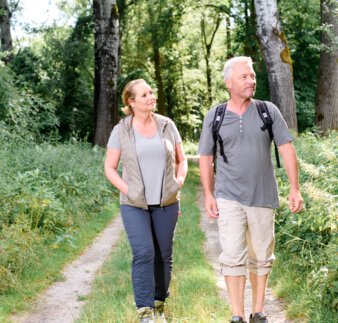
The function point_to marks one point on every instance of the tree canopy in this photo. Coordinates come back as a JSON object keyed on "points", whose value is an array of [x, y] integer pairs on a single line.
{"points": [[179, 47]]}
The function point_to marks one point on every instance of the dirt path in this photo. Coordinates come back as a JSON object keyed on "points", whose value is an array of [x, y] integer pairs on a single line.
{"points": [[273, 306], [62, 302]]}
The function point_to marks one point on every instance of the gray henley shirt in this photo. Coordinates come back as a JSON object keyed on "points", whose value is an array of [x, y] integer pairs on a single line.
{"points": [[249, 176]]}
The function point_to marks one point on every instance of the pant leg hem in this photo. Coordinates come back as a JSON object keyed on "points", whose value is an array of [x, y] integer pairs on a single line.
{"points": [[233, 271]]}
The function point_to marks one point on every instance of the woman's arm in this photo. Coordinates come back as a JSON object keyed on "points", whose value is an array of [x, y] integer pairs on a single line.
{"points": [[110, 168], [182, 164]]}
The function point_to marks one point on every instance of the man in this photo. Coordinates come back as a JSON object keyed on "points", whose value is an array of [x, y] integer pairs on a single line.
{"points": [[245, 194]]}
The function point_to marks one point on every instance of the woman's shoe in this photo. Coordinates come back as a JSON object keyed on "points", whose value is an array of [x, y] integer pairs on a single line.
{"points": [[159, 312], [146, 314], [237, 319]]}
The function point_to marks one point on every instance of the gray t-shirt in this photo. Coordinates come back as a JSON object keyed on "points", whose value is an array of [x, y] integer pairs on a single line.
{"points": [[151, 157], [248, 177]]}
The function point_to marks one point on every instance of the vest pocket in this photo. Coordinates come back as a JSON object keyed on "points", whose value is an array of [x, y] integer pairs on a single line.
{"points": [[123, 198]]}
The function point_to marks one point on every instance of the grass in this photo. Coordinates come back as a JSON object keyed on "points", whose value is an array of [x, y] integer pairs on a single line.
{"points": [[306, 271], [194, 293], [54, 202], [36, 278]]}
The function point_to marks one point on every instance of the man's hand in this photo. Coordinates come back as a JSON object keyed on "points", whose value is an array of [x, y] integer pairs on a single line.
{"points": [[296, 201], [211, 207]]}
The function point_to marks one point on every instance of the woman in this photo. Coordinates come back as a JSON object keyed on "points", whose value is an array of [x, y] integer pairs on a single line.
{"points": [[154, 169]]}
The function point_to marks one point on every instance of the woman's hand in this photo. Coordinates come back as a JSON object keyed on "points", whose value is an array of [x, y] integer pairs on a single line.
{"points": [[110, 167], [180, 181]]}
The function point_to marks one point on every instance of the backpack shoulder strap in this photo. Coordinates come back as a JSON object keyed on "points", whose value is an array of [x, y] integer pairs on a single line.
{"points": [[265, 115], [218, 117], [216, 124]]}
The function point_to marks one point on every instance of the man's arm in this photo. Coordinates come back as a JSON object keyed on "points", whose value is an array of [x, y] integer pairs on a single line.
{"points": [[289, 157], [207, 179]]}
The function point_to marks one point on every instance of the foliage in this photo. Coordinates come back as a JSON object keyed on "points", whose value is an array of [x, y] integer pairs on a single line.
{"points": [[67, 62], [301, 24], [22, 113], [246, 43], [162, 42], [48, 191], [60, 70], [306, 242]]}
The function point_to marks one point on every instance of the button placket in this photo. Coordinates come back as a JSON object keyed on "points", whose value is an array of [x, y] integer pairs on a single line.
{"points": [[241, 125]]}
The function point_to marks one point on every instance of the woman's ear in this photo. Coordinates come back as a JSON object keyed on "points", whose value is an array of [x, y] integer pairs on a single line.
{"points": [[129, 102]]}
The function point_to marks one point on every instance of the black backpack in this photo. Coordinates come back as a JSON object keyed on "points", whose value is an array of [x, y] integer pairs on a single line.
{"points": [[218, 119]]}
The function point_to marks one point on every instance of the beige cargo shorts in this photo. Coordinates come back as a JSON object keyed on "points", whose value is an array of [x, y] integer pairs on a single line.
{"points": [[247, 238]]}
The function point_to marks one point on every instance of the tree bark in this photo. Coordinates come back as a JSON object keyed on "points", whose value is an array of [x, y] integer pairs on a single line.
{"points": [[327, 93], [106, 22], [276, 55], [207, 51], [5, 30], [158, 76]]}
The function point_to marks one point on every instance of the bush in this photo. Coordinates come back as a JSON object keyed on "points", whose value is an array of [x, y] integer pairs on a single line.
{"points": [[306, 242], [48, 191]]}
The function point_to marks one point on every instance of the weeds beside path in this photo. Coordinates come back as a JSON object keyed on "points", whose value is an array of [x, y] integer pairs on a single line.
{"points": [[62, 302]]}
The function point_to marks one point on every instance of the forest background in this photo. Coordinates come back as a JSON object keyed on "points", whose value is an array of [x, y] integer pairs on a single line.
{"points": [[60, 89]]}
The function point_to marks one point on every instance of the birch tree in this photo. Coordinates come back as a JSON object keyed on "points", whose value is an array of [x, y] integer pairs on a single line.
{"points": [[276, 55], [106, 24], [5, 29], [327, 92]]}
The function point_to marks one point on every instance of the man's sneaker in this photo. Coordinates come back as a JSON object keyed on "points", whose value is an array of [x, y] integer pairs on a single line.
{"points": [[258, 317], [159, 312], [237, 319], [146, 314]]}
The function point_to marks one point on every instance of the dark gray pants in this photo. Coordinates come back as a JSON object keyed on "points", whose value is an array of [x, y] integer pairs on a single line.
{"points": [[150, 234]]}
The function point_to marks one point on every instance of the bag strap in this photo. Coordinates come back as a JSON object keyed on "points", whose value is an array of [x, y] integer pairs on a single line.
{"points": [[265, 115], [216, 124]]}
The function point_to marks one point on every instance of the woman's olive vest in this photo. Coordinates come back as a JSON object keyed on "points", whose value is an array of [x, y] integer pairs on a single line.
{"points": [[131, 172]]}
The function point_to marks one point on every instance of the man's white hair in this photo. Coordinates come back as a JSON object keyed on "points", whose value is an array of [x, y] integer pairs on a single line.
{"points": [[229, 65]]}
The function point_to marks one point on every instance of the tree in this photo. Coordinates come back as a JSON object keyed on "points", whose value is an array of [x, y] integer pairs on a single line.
{"points": [[5, 29], [327, 94], [207, 44], [106, 22], [301, 22], [276, 55]]}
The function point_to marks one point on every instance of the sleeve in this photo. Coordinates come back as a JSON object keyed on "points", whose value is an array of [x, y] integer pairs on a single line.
{"points": [[177, 135], [114, 139], [206, 142], [281, 132]]}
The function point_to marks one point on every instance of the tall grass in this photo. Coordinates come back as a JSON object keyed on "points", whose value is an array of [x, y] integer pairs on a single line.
{"points": [[54, 200], [305, 273], [194, 294]]}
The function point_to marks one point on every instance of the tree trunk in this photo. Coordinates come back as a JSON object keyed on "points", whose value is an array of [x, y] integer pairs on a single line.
{"points": [[5, 30], [207, 51], [106, 69], [228, 32], [327, 93], [158, 77], [276, 55]]}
